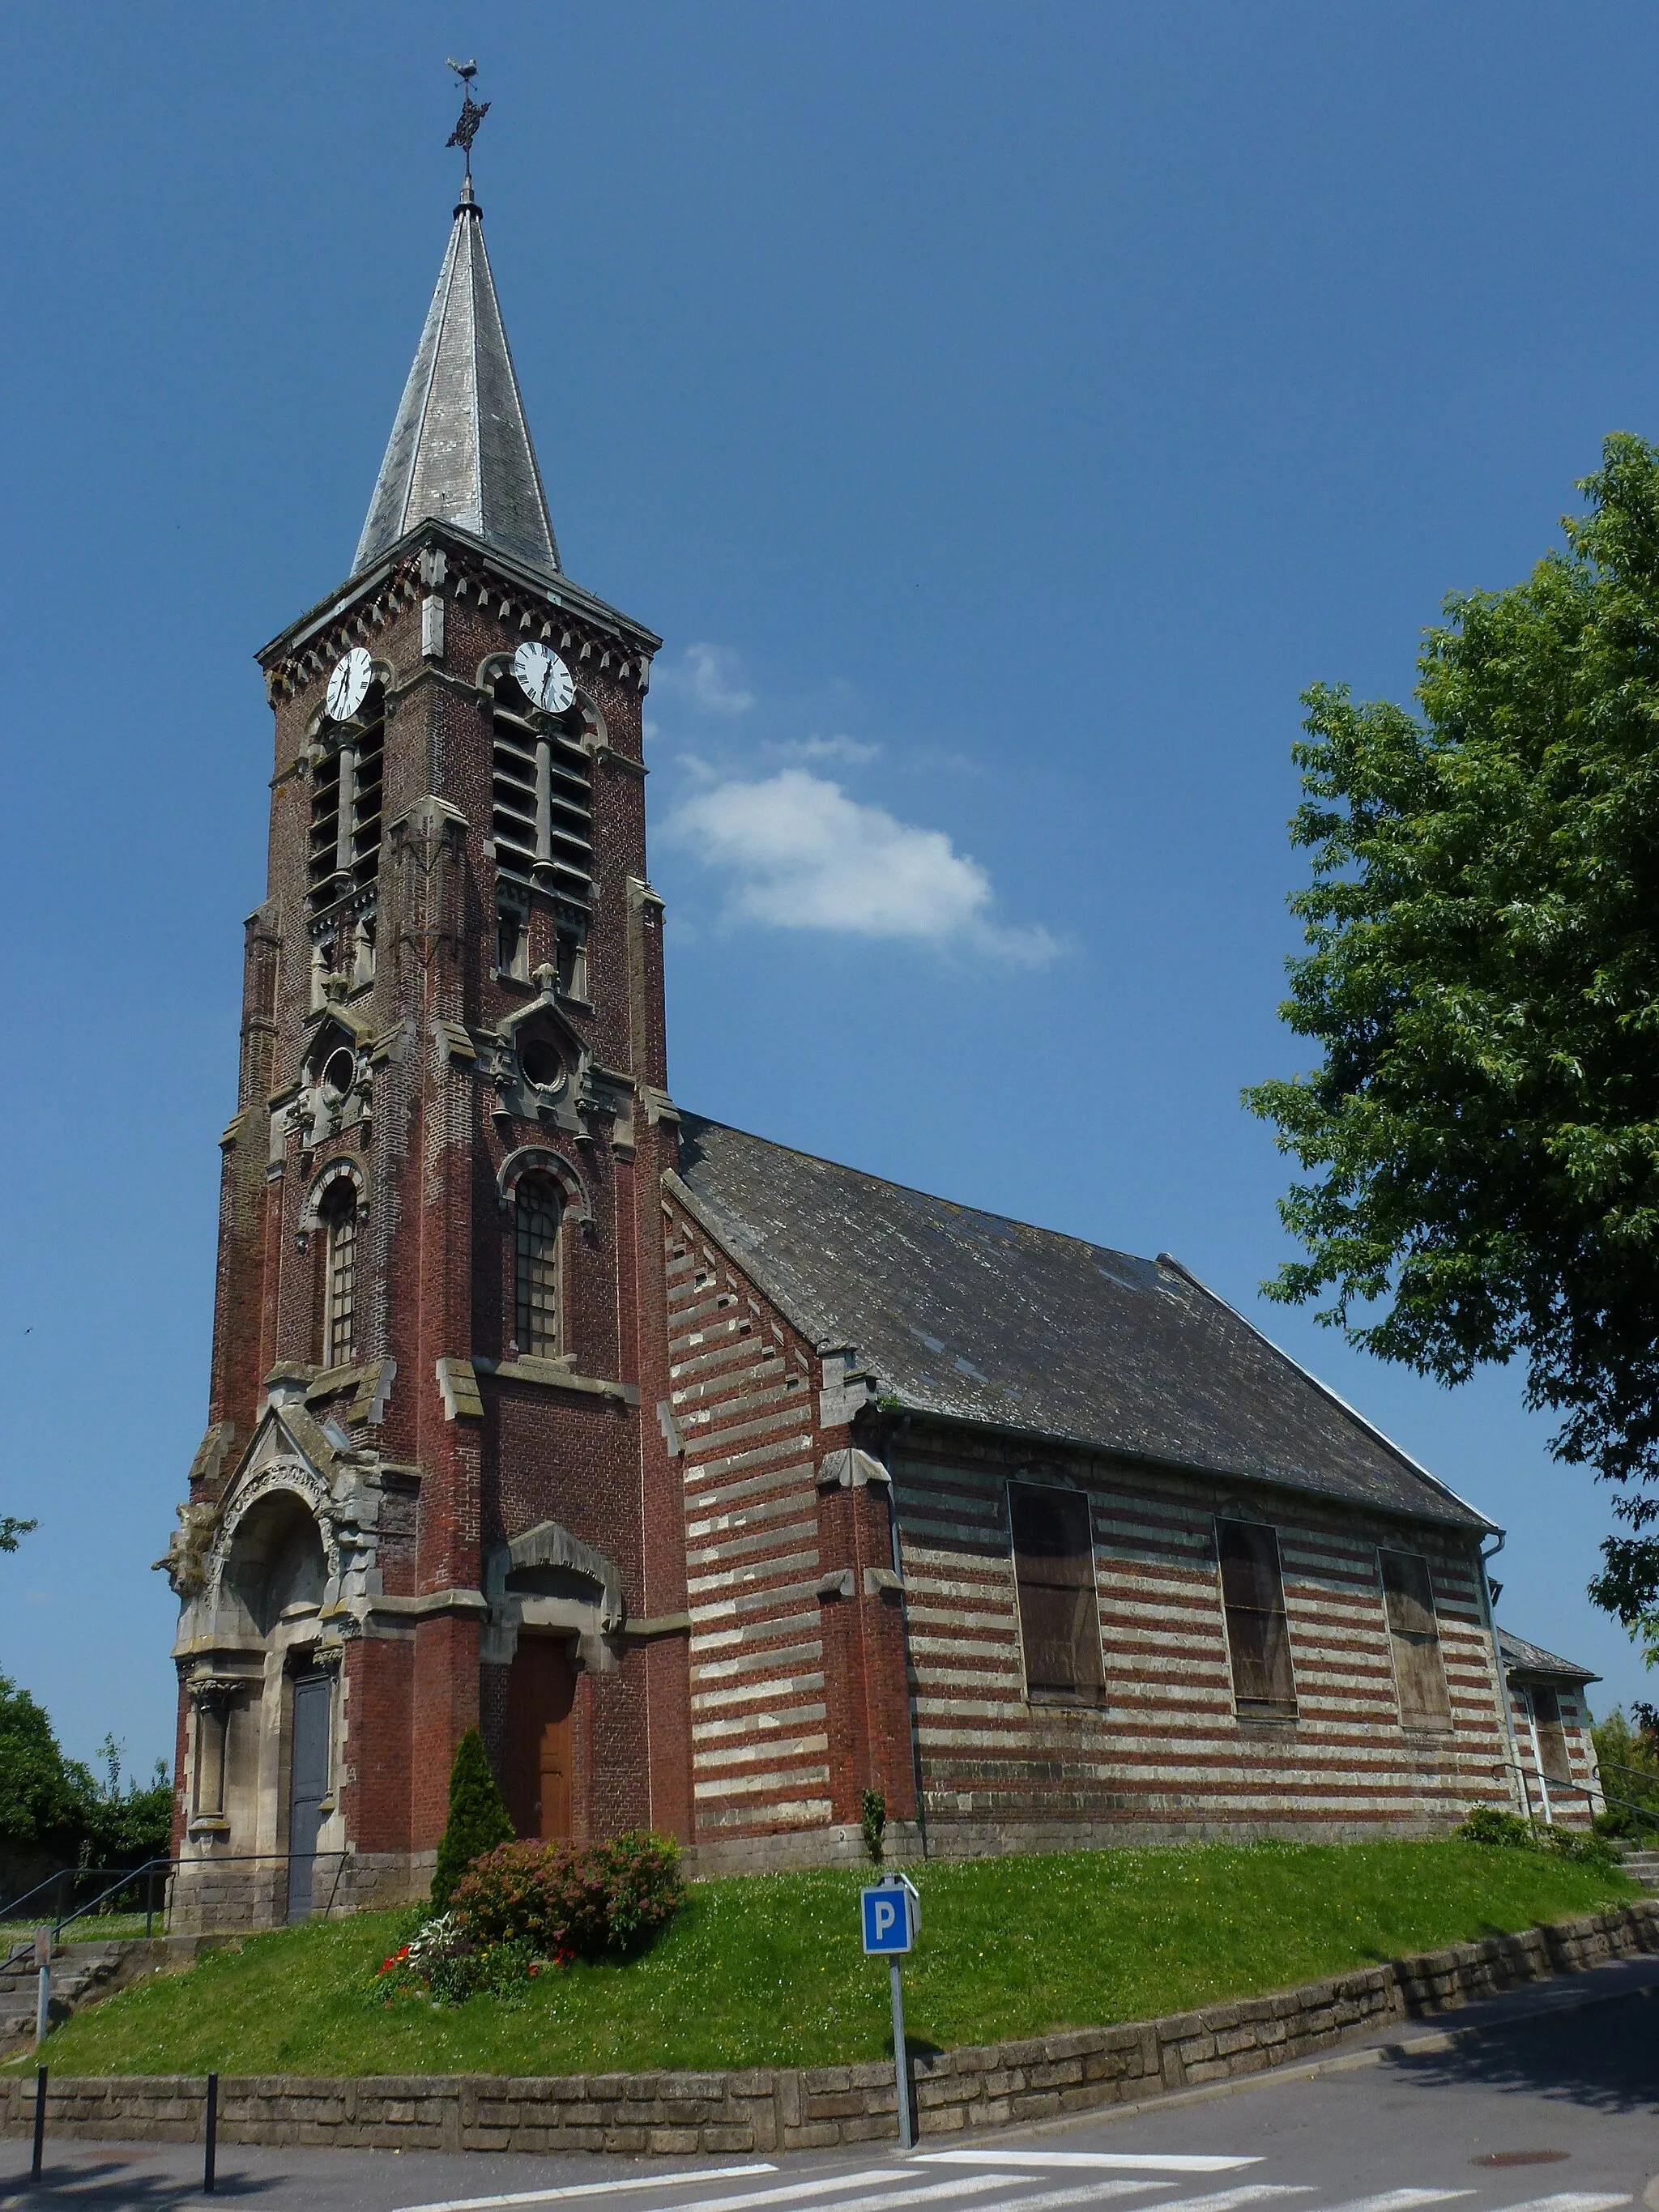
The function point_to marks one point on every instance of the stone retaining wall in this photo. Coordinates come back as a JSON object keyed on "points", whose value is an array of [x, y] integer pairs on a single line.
{"points": [[818, 2107]]}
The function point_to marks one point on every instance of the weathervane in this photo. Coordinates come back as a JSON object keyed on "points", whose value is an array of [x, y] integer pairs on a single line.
{"points": [[472, 114]]}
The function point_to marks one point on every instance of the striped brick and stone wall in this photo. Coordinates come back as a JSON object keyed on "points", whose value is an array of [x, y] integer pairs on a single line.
{"points": [[797, 1678], [1575, 1806], [1161, 1752]]}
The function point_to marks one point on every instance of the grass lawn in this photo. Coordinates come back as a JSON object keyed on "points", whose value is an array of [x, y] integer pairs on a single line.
{"points": [[768, 1970]]}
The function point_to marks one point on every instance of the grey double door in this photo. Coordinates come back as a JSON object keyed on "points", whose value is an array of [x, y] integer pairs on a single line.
{"points": [[308, 1788]]}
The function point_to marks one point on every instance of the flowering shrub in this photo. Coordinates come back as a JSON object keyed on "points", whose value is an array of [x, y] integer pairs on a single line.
{"points": [[443, 1964], [527, 1906], [563, 1904]]}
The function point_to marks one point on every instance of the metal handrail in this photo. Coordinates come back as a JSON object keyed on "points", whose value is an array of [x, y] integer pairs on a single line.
{"points": [[68, 1919], [56, 1881], [1578, 1788], [150, 1867], [1650, 1774]]}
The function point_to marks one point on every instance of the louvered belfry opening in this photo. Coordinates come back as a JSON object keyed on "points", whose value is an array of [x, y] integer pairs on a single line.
{"points": [[537, 1212], [542, 799], [1420, 1671], [1258, 1632], [347, 774], [1054, 1575]]}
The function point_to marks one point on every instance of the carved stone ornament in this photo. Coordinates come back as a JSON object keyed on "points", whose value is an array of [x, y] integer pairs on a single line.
{"points": [[185, 1561], [293, 1476]]}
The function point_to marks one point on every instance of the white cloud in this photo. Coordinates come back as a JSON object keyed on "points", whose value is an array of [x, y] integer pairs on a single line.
{"points": [[707, 678], [801, 854], [853, 751]]}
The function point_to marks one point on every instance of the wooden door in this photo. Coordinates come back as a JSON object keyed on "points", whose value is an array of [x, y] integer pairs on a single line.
{"points": [[307, 1786], [541, 1694]]}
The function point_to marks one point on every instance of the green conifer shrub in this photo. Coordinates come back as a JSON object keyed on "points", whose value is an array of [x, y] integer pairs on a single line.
{"points": [[478, 1820], [874, 1824]]}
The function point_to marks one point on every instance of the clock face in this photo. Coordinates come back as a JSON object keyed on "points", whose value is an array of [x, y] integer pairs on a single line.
{"points": [[348, 687], [543, 678]]}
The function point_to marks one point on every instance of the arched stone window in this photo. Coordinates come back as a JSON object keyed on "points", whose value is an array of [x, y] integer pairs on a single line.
{"points": [[539, 1206], [338, 1215]]}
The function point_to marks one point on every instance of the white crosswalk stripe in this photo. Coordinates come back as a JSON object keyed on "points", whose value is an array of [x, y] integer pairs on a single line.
{"points": [[597, 2188], [787, 2195], [893, 2199], [1570, 2200], [1092, 2192], [1401, 2200], [1138, 2161], [1017, 2175]]}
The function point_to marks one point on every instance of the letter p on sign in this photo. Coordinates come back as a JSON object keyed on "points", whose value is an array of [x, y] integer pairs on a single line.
{"points": [[887, 1919]]}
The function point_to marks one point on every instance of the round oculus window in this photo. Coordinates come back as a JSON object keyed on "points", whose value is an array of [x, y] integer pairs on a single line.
{"points": [[338, 1070], [541, 1063]]}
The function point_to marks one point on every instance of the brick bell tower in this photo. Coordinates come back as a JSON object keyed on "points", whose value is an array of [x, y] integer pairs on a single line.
{"points": [[428, 1497]]}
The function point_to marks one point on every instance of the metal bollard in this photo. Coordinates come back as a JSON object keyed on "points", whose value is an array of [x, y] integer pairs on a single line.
{"points": [[43, 1984], [39, 2122], [212, 2134]]}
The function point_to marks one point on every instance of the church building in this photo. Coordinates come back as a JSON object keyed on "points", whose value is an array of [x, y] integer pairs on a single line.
{"points": [[716, 1484]]}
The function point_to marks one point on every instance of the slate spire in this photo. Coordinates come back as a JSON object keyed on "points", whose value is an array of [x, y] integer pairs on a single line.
{"points": [[460, 449]]}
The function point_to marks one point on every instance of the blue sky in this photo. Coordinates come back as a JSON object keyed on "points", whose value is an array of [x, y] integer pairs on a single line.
{"points": [[1003, 412]]}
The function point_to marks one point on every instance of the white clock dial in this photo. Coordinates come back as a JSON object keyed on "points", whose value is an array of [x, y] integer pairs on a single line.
{"points": [[348, 687], [542, 676]]}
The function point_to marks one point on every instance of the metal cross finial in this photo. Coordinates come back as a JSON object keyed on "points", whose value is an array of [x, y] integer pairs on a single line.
{"points": [[471, 113]]}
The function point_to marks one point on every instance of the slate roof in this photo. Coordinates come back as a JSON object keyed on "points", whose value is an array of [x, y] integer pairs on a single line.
{"points": [[972, 1318], [460, 449], [1520, 1657]]}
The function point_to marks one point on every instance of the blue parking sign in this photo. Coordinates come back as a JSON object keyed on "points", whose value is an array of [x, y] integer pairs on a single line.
{"points": [[888, 1922]]}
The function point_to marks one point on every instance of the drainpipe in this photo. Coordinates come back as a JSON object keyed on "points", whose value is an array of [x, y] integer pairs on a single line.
{"points": [[894, 1432], [1517, 1787]]}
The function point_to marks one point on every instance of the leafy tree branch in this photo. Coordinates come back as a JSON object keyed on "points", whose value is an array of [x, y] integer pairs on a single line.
{"points": [[1482, 1137]]}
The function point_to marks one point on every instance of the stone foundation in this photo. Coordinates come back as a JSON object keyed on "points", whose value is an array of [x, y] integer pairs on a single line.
{"points": [[802, 1847], [210, 1897], [957, 2092]]}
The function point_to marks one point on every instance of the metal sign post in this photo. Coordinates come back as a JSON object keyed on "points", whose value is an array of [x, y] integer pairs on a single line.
{"points": [[892, 1921], [43, 1986]]}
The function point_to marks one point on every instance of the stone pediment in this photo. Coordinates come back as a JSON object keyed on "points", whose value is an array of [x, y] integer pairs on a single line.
{"points": [[547, 1578], [537, 1062], [295, 1470]]}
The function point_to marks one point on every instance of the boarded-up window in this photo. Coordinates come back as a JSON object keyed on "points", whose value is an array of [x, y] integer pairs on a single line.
{"points": [[1551, 1736], [1420, 1673], [1055, 1573], [1258, 1634]]}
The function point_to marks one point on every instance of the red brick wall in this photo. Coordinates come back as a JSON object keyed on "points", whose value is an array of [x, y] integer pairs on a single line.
{"points": [[434, 1279]]}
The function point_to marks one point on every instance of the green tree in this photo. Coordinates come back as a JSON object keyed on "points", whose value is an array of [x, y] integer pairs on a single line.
{"points": [[1629, 1759], [1482, 977], [41, 1792], [125, 1821], [11, 1529], [477, 1817]]}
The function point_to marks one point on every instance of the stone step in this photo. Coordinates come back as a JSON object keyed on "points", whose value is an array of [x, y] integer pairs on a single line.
{"points": [[80, 1974]]}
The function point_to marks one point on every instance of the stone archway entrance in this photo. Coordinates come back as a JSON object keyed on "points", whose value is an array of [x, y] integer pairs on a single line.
{"points": [[541, 1695]]}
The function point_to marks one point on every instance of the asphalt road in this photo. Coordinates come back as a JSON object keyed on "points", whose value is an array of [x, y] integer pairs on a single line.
{"points": [[1542, 2104]]}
